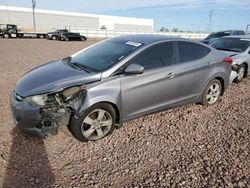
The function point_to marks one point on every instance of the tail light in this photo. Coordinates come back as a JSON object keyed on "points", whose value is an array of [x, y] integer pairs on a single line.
{"points": [[228, 60]]}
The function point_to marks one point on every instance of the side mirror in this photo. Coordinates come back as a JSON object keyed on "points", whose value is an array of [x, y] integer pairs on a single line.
{"points": [[134, 69]]}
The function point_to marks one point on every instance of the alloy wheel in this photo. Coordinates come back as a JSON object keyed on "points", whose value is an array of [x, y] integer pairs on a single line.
{"points": [[213, 93], [241, 73], [96, 124]]}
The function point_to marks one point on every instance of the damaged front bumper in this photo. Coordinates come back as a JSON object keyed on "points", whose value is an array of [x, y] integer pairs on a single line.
{"points": [[234, 72], [233, 76], [38, 121]]}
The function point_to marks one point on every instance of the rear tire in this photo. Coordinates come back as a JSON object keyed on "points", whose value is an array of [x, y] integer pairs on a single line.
{"points": [[96, 123], [83, 38], [53, 37], [241, 73], [212, 93]]}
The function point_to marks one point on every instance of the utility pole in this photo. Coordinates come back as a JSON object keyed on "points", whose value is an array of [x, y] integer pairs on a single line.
{"points": [[33, 8], [211, 13], [8, 13]]}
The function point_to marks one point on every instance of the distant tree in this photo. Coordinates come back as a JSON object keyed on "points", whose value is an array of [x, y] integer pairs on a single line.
{"points": [[162, 29], [175, 30], [103, 27]]}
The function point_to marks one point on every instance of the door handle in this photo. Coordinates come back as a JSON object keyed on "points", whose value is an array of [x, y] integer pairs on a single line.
{"points": [[211, 64], [171, 75]]}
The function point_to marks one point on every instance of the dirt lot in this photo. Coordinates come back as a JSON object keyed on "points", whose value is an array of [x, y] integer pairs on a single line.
{"points": [[192, 146]]}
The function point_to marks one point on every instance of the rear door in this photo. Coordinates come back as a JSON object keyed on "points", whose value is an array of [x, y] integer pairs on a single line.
{"points": [[194, 67], [153, 89]]}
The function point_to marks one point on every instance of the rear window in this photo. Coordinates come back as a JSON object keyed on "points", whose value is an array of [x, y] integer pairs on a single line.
{"points": [[238, 33], [190, 51], [72, 34], [219, 34], [231, 44], [62, 31]]}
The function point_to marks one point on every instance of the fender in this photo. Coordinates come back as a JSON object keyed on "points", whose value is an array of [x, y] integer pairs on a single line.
{"points": [[109, 91]]}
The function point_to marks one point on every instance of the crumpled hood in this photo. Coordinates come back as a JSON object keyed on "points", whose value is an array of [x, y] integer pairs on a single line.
{"points": [[53, 77]]}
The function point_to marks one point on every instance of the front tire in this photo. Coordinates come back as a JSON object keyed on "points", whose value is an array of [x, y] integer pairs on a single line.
{"points": [[241, 73], [6, 36], [96, 123], [212, 93], [41, 36]]}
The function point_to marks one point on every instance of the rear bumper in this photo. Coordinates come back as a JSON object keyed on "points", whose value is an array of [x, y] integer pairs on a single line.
{"points": [[25, 116]]}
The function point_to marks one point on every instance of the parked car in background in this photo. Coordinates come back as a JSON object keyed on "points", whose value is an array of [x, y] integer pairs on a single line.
{"points": [[71, 36], [117, 80], [213, 36], [238, 48], [248, 29], [56, 34]]}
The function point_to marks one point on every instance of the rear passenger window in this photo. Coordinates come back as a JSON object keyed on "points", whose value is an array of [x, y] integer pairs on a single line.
{"points": [[240, 33], [155, 57], [190, 51]]}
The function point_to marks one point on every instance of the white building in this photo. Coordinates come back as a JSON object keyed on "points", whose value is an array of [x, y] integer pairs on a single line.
{"points": [[48, 20]]}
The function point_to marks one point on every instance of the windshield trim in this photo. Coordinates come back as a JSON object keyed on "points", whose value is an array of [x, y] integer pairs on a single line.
{"points": [[135, 44]]}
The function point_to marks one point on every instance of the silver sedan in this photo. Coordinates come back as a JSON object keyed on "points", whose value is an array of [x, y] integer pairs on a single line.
{"points": [[117, 80], [238, 48]]}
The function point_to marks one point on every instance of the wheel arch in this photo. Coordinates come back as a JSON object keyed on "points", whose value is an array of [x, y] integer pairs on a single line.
{"points": [[87, 104], [245, 63], [222, 84], [115, 107], [219, 77]]}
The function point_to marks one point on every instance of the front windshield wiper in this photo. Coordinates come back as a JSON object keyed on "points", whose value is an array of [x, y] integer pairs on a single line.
{"points": [[85, 68], [75, 64], [225, 49]]}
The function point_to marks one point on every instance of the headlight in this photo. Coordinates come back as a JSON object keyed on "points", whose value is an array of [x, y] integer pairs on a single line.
{"points": [[37, 100], [69, 93]]}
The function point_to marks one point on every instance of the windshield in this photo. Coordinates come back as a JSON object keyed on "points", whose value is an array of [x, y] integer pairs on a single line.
{"points": [[105, 54], [231, 44], [218, 35]]}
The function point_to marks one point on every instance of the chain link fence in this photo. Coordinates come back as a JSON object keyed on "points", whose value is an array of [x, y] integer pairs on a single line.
{"points": [[113, 33]]}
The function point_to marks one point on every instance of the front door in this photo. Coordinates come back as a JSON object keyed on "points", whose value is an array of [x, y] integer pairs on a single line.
{"points": [[155, 88]]}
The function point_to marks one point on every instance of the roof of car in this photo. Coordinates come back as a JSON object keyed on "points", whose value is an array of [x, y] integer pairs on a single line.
{"points": [[228, 31], [145, 38], [238, 36]]}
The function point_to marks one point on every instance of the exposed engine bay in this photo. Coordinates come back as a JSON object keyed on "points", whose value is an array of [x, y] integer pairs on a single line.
{"points": [[58, 109]]}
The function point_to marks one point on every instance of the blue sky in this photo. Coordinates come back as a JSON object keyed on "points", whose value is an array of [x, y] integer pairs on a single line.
{"points": [[183, 14]]}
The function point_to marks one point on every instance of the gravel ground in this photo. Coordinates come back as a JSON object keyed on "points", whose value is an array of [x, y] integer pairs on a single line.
{"points": [[191, 146]]}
